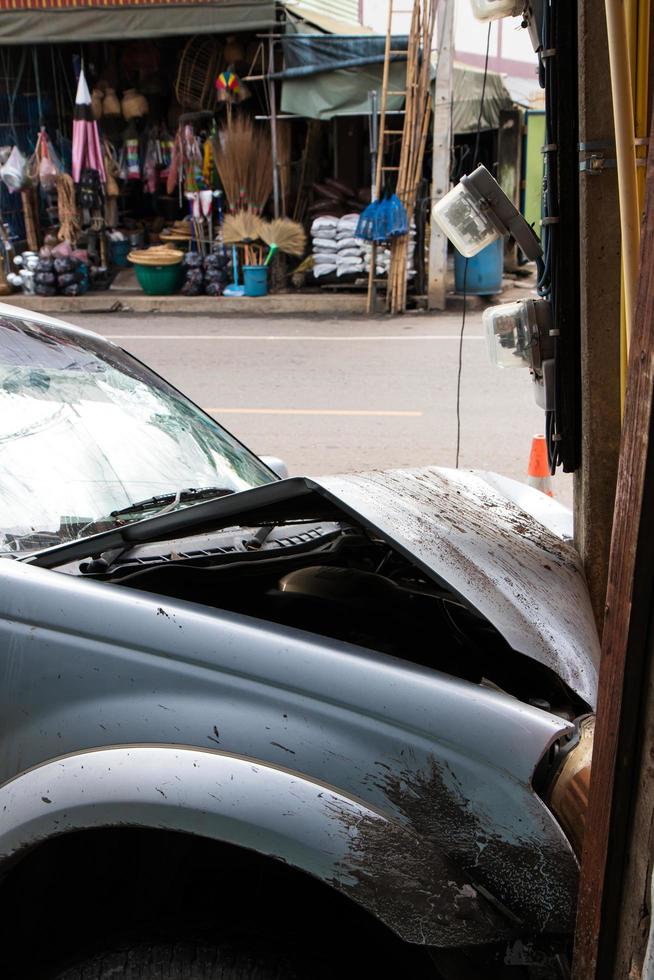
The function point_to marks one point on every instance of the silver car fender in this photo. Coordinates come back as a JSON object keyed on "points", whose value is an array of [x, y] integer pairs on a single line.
{"points": [[275, 811]]}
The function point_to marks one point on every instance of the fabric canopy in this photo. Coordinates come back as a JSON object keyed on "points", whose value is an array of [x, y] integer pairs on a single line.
{"points": [[61, 21], [331, 75], [311, 54]]}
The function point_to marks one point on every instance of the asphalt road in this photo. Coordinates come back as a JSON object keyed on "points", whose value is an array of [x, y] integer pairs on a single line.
{"points": [[334, 396]]}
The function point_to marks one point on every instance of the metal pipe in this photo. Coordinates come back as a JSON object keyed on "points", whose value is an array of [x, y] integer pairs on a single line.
{"points": [[623, 116]]}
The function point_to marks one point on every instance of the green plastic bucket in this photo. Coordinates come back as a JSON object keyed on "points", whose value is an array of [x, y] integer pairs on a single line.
{"points": [[255, 278], [159, 280]]}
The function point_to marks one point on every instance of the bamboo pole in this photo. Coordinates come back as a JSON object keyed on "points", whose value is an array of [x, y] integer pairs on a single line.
{"points": [[623, 116]]}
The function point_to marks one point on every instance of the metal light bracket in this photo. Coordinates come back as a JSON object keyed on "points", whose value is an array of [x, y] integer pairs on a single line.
{"points": [[491, 199]]}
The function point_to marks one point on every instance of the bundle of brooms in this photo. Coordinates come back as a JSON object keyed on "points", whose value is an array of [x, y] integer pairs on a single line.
{"points": [[243, 156], [248, 229]]}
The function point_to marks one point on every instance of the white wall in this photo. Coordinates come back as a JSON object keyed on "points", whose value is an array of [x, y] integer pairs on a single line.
{"points": [[510, 49]]}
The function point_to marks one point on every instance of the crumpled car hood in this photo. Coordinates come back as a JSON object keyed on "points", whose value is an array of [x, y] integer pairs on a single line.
{"points": [[458, 527], [524, 579]]}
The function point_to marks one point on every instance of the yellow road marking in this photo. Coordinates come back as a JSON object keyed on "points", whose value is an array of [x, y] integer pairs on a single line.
{"points": [[312, 411]]}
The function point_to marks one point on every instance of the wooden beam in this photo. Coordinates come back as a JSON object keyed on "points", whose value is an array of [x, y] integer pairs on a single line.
{"points": [[625, 644]]}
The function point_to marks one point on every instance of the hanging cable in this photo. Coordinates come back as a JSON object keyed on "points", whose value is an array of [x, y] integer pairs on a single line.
{"points": [[475, 156]]}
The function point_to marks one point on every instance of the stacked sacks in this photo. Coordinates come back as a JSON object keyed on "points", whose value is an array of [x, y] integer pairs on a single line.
{"points": [[349, 254], [216, 273], [335, 247], [205, 276], [324, 231], [193, 274], [60, 270]]}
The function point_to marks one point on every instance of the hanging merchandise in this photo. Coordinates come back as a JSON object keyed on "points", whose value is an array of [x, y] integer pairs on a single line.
{"points": [[44, 165], [165, 146], [196, 73], [91, 197], [193, 159], [151, 167], [31, 216], [13, 172], [87, 152], [69, 226], [208, 164], [366, 226], [112, 191], [97, 103], [133, 164], [134, 105], [389, 220], [111, 103], [230, 88]]}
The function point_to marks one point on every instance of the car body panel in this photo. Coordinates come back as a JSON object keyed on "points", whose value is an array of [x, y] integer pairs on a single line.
{"points": [[87, 665], [462, 532]]}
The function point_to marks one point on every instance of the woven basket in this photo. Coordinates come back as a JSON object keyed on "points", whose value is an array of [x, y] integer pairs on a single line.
{"points": [[196, 74], [111, 104], [134, 105], [157, 256]]}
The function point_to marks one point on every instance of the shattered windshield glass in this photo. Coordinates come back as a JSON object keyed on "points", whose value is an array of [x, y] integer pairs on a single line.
{"points": [[86, 430]]}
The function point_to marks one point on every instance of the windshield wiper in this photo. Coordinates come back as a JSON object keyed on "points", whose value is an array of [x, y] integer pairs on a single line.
{"points": [[174, 497]]}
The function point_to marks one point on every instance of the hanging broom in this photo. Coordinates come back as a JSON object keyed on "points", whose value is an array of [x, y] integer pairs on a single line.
{"points": [[243, 160], [283, 235]]}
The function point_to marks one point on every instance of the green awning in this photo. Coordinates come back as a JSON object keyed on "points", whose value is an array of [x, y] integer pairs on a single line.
{"points": [[68, 23], [344, 92]]}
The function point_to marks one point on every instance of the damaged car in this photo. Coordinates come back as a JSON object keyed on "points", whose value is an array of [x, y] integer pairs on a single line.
{"points": [[255, 727]]}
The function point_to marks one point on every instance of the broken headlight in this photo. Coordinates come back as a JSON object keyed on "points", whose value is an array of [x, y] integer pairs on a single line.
{"points": [[568, 796]]}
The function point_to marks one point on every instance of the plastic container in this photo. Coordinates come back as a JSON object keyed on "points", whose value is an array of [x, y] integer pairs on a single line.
{"points": [[484, 276], [119, 253], [255, 278], [159, 280]]}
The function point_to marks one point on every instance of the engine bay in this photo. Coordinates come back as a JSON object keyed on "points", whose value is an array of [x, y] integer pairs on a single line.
{"points": [[340, 581]]}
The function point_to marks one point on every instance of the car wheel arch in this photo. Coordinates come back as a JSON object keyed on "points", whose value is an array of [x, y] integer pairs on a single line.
{"points": [[259, 807]]}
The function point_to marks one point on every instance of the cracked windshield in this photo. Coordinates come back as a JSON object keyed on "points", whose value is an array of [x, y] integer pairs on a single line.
{"points": [[86, 432]]}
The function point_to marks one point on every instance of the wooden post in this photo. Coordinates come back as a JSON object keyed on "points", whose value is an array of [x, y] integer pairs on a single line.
{"points": [[626, 663], [441, 154], [599, 247], [272, 95]]}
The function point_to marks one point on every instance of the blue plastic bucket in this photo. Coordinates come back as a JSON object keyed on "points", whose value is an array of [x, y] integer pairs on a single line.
{"points": [[255, 279], [119, 253], [484, 276]]}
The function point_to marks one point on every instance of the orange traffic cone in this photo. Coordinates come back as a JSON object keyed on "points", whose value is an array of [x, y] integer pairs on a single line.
{"points": [[538, 474]]}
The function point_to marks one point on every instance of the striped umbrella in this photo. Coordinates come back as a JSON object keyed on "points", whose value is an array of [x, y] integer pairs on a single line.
{"points": [[87, 152]]}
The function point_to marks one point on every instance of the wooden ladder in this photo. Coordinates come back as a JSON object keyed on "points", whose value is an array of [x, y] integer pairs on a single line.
{"points": [[382, 168]]}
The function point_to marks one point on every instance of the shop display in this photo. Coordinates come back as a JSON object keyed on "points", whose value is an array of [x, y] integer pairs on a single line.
{"points": [[172, 148]]}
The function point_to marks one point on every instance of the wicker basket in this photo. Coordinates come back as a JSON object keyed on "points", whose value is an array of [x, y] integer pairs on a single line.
{"points": [[134, 105], [196, 74], [157, 256]]}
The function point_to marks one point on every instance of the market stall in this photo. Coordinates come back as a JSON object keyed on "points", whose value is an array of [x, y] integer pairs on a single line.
{"points": [[217, 151]]}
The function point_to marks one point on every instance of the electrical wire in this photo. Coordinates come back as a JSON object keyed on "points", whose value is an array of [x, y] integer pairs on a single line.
{"points": [[551, 201], [475, 157]]}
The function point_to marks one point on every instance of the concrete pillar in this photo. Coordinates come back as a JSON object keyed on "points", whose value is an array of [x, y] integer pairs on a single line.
{"points": [[600, 311], [441, 157]]}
